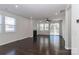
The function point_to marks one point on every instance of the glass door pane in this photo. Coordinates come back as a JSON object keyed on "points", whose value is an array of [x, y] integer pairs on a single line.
{"points": [[54, 36], [54, 29], [46, 26]]}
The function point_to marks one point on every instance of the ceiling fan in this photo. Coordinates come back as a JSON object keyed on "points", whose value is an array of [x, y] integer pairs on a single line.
{"points": [[48, 20]]}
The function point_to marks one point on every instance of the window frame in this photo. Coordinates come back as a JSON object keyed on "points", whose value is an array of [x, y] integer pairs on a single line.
{"points": [[41, 27], [46, 28], [14, 26], [1, 23]]}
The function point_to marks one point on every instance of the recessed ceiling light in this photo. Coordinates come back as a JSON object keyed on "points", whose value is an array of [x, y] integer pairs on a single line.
{"points": [[16, 6], [56, 13], [40, 21]]}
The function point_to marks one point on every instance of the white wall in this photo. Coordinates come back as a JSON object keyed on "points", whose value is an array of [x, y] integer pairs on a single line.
{"points": [[75, 29], [23, 29], [67, 28]]}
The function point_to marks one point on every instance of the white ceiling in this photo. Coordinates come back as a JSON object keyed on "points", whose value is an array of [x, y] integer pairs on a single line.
{"points": [[36, 11]]}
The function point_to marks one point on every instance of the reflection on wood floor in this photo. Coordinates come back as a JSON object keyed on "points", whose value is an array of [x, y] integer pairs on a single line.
{"points": [[45, 45]]}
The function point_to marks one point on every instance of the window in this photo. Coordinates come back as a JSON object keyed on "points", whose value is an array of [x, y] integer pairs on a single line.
{"points": [[52, 29], [46, 26], [41, 27], [0, 23], [56, 28], [10, 24]]}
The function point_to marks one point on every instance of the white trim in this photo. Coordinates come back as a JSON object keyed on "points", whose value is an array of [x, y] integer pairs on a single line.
{"points": [[67, 48], [13, 41]]}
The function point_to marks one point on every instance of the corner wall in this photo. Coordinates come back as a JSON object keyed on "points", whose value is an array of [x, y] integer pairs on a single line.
{"points": [[66, 28]]}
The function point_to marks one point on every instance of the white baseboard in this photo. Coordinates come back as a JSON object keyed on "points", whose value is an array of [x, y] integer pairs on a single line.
{"points": [[4, 43], [67, 48]]}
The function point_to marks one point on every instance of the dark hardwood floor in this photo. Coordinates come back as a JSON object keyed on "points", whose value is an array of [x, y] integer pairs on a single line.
{"points": [[27, 46]]}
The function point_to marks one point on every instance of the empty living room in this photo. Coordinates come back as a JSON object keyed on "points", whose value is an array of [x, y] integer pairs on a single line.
{"points": [[39, 29], [35, 29]]}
